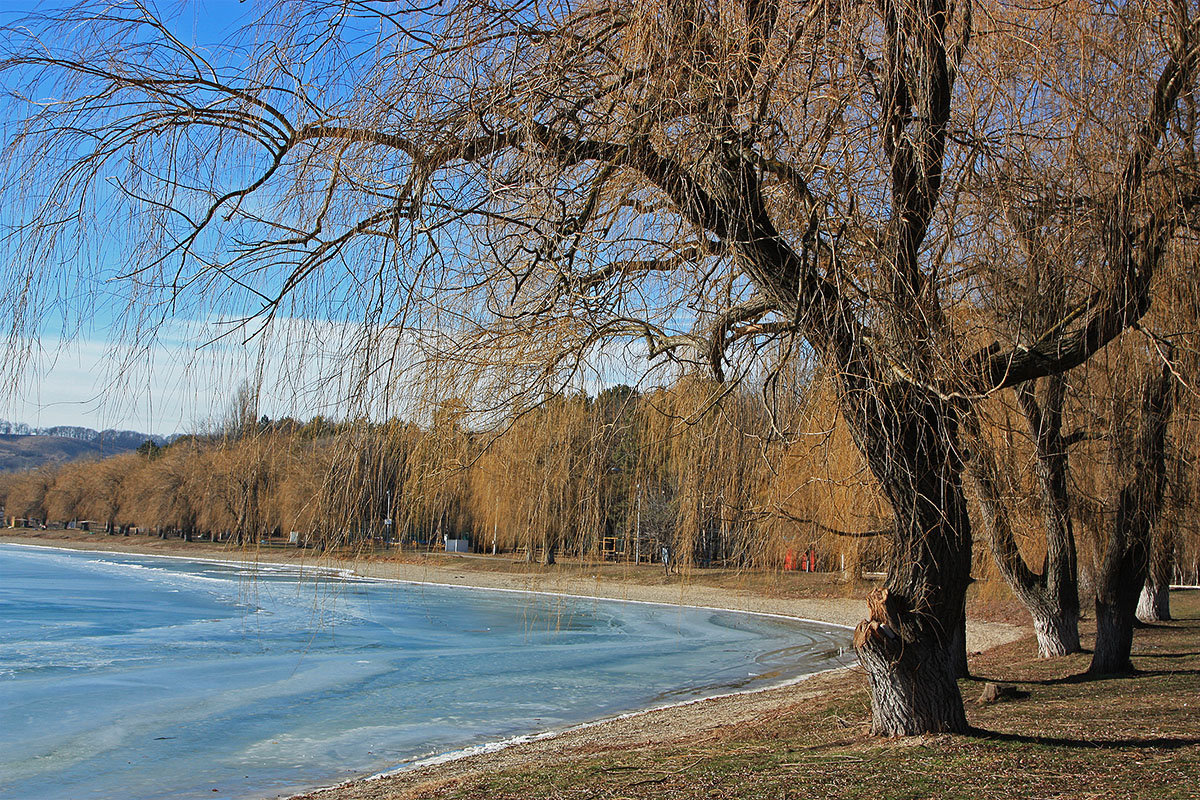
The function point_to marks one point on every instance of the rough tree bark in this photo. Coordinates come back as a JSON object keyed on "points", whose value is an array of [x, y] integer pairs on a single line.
{"points": [[1126, 558], [962, 667], [1154, 605], [910, 646]]}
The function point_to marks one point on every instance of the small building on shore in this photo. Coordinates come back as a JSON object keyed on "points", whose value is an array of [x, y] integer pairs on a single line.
{"points": [[460, 545]]}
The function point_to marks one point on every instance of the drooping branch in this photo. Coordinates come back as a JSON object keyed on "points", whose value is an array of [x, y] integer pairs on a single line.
{"points": [[1134, 251], [718, 334], [823, 528], [685, 255], [993, 507]]}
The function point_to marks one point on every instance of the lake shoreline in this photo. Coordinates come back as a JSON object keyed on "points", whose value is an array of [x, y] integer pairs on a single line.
{"points": [[845, 611], [635, 729]]}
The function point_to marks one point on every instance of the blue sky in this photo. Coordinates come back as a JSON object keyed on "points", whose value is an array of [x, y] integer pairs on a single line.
{"points": [[92, 366], [81, 377]]}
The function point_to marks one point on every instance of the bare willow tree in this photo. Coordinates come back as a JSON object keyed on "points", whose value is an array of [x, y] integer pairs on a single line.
{"points": [[1054, 229], [505, 188], [1137, 511], [1051, 593], [1174, 328]]}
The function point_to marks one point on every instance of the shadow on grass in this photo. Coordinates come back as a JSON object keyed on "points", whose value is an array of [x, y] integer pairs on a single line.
{"points": [[1157, 743], [1088, 677], [1170, 655]]}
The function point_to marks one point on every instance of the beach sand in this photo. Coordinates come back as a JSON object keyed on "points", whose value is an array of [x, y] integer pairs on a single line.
{"points": [[631, 731]]}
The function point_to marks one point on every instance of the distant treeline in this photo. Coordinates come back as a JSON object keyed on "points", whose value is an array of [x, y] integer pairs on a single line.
{"points": [[121, 439], [620, 475]]}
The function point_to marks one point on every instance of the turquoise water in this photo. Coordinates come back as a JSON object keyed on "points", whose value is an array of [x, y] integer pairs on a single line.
{"points": [[138, 677]]}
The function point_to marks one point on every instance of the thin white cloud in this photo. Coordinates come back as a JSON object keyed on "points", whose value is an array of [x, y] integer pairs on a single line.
{"points": [[183, 379]]}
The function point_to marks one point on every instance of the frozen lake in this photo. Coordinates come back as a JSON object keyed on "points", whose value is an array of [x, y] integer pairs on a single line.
{"points": [[137, 677]]}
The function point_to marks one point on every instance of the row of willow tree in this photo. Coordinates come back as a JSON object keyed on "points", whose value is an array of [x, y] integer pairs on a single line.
{"points": [[695, 468]]}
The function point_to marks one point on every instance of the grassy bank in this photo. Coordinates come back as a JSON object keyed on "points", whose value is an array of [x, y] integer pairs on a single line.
{"points": [[826, 596], [773, 583], [1134, 736]]}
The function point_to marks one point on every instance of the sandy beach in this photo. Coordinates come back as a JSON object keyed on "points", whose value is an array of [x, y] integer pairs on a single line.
{"points": [[690, 721]]}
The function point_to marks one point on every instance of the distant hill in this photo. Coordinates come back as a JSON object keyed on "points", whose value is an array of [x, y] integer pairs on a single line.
{"points": [[22, 447]]}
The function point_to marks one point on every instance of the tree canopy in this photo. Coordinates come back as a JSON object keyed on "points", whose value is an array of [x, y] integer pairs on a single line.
{"points": [[498, 191]]}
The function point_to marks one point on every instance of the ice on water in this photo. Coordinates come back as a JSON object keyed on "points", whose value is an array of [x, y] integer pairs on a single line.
{"points": [[131, 677]]}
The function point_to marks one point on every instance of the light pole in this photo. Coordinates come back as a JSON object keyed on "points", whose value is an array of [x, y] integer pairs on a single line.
{"points": [[637, 528], [387, 521]]}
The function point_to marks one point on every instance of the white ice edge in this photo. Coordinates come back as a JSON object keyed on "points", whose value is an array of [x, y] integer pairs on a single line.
{"points": [[343, 572], [504, 744], [501, 744]]}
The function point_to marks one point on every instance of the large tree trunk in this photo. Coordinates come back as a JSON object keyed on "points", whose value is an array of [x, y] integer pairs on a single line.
{"points": [[1154, 605], [1056, 619], [1052, 597], [911, 647], [1127, 555], [914, 685], [1114, 639], [1056, 630]]}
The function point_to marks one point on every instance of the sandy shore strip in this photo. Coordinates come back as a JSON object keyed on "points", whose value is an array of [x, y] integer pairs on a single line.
{"points": [[635, 730]]}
